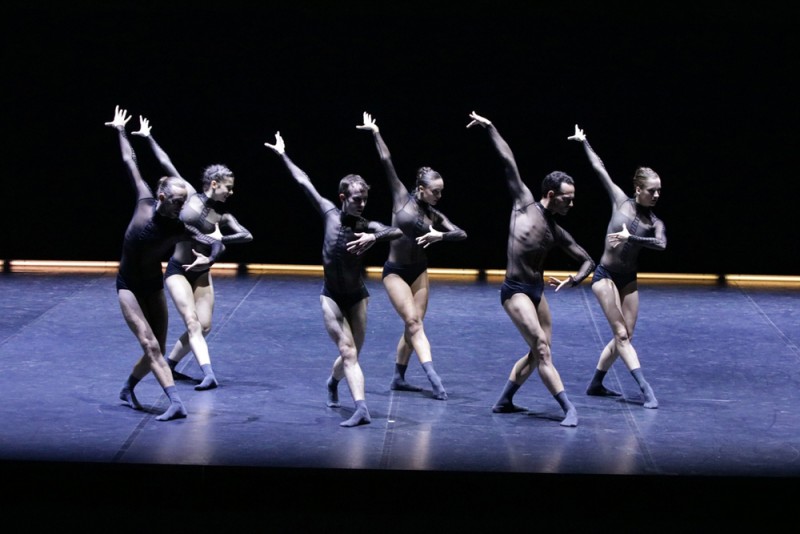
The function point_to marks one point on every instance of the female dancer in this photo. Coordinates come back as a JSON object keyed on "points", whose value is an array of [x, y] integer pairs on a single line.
{"points": [[193, 292], [634, 226], [152, 232], [405, 274], [344, 296]]}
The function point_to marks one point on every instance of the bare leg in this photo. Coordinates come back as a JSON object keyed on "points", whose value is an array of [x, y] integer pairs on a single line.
{"points": [[411, 304], [347, 332], [184, 298], [535, 325], [621, 310], [147, 319]]}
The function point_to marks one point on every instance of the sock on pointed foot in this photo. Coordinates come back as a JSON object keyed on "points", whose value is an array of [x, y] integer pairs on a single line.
{"points": [[209, 380], [596, 387], [505, 404], [647, 391], [438, 388], [399, 379], [176, 410], [360, 416], [571, 414], [127, 396], [333, 393]]}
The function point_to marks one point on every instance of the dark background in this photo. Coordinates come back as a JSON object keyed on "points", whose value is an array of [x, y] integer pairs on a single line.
{"points": [[704, 94]]}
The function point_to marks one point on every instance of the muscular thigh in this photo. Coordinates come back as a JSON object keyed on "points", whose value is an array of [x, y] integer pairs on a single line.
{"points": [[204, 299], [400, 295], [630, 306], [609, 300], [421, 289], [356, 318], [527, 318], [182, 294], [336, 324], [145, 316]]}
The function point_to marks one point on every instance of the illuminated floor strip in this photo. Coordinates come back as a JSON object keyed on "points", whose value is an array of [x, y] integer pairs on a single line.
{"points": [[52, 266]]}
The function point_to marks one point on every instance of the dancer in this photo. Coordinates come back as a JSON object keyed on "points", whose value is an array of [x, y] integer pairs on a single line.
{"points": [[405, 274], [532, 233], [344, 296], [152, 232], [634, 226], [193, 291]]}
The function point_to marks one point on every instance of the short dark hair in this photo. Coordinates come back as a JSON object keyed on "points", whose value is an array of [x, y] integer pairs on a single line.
{"points": [[552, 182], [351, 179]]}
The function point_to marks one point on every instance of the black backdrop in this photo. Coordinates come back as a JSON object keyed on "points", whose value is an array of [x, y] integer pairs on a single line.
{"points": [[703, 94]]}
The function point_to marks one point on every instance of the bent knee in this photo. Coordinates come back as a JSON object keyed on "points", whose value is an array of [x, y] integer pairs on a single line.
{"points": [[621, 335], [152, 348], [413, 324]]}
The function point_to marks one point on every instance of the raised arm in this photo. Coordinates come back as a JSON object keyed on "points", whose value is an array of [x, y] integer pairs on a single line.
{"points": [[121, 118], [616, 193], [519, 191], [399, 191], [163, 159], [322, 204]]}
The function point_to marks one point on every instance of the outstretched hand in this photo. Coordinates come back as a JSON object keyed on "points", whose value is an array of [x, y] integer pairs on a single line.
{"points": [[121, 118], [144, 127], [619, 237], [362, 244], [477, 119], [279, 147], [369, 123], [558, 284], [199, 261], [578, 135], [431, 237]]}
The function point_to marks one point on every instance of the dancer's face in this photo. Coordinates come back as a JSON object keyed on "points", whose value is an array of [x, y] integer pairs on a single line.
{"points": [[432, 193], [355, 201], [221, 190], [171, 202], [561, 202], [648, 194]]}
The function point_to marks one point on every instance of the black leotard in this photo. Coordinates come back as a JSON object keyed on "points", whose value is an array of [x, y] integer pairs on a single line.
{"points": [[412, 215], [343, 270], [647, 231], [149, 239], [532, 231], [201, 214], [150, 236]]}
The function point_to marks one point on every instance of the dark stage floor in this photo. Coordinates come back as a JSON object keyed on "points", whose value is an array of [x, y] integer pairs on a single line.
{"points": [[724, 445]]}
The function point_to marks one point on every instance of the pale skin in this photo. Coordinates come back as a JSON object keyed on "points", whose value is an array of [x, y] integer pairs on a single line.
{"points": [[533, 322], [194, 304], [147, 316], [620, 306], [346, 328], [411, 301]]}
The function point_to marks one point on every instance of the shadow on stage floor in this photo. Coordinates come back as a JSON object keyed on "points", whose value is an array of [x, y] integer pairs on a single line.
{"points": [[722, 448]]}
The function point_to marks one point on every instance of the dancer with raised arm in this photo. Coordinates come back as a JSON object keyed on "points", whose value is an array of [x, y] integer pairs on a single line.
{"points": [[532, 233], [344, 296], [193, 291], [152, 233], [405, 273], [633, 226]]}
